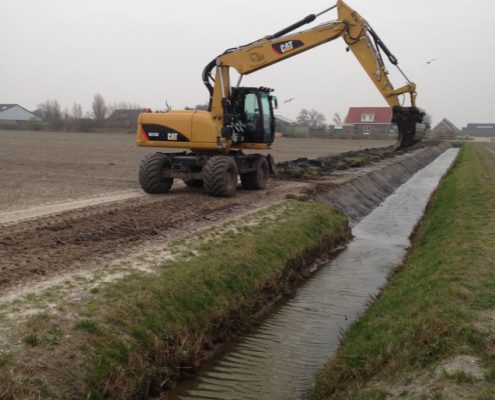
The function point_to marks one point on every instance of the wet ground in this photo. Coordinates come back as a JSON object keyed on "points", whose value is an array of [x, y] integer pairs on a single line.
{"points": [[280, 358], [35, 249], [318, 168], [45, 167]]}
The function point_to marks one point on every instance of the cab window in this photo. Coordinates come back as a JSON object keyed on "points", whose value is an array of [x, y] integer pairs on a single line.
{"points": [[267, 116], [251, 111]]}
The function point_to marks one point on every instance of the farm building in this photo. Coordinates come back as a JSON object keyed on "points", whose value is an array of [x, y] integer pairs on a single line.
{"points": [[282, 123], [16, 113], [445, 130], [369, 120], [484, 130]]}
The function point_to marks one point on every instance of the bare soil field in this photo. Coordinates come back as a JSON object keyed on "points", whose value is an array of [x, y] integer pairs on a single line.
{"points": [[47, 167]]}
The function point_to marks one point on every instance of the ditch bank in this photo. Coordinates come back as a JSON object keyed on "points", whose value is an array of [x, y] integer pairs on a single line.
{"points": [[135, 337], [357, 195], [430, 332], [281, 356]]}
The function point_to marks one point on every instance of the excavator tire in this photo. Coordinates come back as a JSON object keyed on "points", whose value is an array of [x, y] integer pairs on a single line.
{"points": [[220, 176], [256, 180], [151, 174]]}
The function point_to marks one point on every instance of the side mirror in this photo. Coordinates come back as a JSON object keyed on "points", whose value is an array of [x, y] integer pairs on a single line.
{"points": [[274, 102]]}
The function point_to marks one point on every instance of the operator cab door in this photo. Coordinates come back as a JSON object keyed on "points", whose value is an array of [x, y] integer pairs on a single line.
{"points": [[257, 120]]}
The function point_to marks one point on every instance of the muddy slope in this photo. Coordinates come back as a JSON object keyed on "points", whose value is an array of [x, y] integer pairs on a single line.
{"points": [[357, 195]]}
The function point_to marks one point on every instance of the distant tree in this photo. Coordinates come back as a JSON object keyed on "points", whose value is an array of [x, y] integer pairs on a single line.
{"points": [[336, 119], [73, 119], [303, 117], [66, 119], [76, 111], [312, 119], [50, 112], [99, 108], [122, 105]]}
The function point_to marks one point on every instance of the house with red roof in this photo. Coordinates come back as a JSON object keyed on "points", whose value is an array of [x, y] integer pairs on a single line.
{"points": [[370, 120]]}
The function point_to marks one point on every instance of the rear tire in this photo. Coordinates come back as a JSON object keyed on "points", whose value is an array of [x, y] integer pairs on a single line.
{"points": [[151, 174], [220, 176], [256, 180]]}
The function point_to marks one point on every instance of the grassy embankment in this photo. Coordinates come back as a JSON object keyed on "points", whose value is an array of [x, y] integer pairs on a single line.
{"points": [[430, 335], [138, 335]]}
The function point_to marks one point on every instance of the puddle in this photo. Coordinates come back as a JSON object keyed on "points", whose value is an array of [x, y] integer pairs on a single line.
{"points": [[279, 359]]}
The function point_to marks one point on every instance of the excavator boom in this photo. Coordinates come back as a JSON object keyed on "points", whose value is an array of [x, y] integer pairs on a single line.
{"points": [[360, 38]]}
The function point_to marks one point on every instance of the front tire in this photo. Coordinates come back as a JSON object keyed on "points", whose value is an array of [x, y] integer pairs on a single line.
{"points": [[151, 174], [220, 176], [257, 179]]}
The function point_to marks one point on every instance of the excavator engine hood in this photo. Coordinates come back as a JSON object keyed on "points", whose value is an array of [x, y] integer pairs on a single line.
{"points": [[406, 119]]}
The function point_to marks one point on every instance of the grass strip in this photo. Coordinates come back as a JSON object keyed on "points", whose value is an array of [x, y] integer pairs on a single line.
{"points": [[137, 336], [434, 307]]}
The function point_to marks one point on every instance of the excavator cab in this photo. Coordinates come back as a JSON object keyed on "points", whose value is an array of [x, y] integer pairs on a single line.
{"points": [[253, 119]]}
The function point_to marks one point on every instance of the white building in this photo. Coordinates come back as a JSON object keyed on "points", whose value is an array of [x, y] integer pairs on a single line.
{"points": [[14, 112]]}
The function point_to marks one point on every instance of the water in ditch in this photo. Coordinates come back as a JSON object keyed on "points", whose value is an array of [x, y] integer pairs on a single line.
{"points": [[279, 359]]}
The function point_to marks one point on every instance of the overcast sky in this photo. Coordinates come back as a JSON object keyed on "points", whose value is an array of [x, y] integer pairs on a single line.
{"points": [[149, 51]]}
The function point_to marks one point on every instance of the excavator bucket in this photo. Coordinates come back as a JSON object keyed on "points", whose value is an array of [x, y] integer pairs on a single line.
{"points": [[406, 119]]}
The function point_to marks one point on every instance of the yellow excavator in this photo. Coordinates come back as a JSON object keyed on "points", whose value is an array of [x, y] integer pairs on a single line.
{"points": [[241, 118]]}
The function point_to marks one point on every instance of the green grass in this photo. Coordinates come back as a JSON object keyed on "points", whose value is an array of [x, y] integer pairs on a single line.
{"points": [[88, 326], [430, 309], [135, 336]]}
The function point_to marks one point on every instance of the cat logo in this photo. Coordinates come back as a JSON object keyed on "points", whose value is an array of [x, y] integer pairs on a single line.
{"points": [[172, 136], [285, 47]]}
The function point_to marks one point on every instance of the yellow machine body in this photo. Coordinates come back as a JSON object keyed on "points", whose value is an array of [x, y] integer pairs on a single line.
{"points": [[189, 129]]}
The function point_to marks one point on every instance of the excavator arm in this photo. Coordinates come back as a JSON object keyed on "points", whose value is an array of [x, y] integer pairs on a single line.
{"points": [[360, 38]]}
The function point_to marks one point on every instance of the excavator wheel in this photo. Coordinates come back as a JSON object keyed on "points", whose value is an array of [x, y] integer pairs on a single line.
{"points": [[220, 176], [256, 180], [194, 183], [151, 174]]}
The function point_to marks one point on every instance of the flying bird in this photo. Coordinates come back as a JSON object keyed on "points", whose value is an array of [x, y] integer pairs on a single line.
{"points": [[289, 100], [429, 62]]}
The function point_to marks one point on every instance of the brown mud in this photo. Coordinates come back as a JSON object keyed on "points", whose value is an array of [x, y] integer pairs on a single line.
{"points": [[319, 168], [36, 249]]}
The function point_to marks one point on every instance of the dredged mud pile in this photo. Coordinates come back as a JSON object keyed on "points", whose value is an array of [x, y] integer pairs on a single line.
{"points": [[321, 167]]}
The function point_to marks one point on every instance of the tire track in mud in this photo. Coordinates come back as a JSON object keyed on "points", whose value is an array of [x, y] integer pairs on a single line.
{"points": [[36, 249]]}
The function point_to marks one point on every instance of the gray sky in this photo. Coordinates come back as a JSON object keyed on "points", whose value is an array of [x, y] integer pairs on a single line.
{"points": [[151, 50]]}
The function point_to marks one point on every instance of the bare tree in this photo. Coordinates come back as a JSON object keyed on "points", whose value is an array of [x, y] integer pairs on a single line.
{"points": [[122, 105], [76, 111], [317, 119], [303, 117], [312, 119], [336, 119], [73, 119], [50, 112], [99, 108]]}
